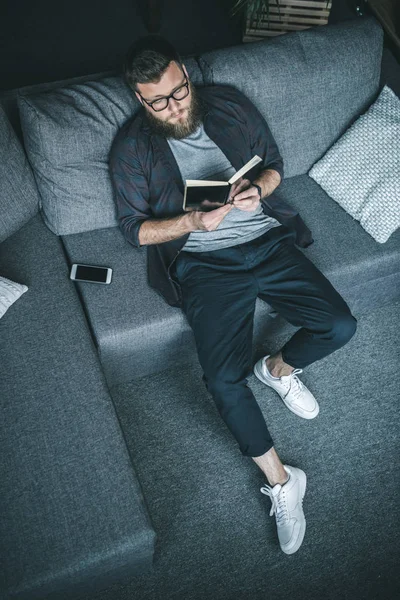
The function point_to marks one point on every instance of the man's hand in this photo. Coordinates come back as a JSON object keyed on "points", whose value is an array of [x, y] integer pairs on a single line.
{"points": [[208, 221], [244, 196]]}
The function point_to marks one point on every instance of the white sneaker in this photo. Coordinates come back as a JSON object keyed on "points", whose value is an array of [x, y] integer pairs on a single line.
{"points": [[293, 392], [287, 506]]}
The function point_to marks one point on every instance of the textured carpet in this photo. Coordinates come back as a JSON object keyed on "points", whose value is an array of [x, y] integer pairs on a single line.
{"points": [[215, 537]]}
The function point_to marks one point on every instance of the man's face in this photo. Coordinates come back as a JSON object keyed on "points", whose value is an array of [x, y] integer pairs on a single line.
{"points": [[181, 117]]}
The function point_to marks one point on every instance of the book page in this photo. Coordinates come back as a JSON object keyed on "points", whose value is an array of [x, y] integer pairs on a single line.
{"points": [[249, 165]]}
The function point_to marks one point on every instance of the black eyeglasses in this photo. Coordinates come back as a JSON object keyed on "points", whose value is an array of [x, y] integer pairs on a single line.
{"points": [[162, 103]]}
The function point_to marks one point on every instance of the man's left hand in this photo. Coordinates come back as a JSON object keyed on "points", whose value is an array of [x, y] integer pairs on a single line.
{"points": [[244, 196]]}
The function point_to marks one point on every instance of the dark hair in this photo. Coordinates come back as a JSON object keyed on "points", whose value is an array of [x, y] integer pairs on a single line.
{"points": [[147, 59]]}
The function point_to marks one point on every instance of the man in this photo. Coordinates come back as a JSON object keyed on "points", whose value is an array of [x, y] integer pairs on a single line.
{"points": [[215, 264]]}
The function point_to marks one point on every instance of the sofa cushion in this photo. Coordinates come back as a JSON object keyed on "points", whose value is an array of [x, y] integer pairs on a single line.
{"points": [[367, 274], [68, 133], [308, 85], [19, 198], [73, 513], [137, 333], [361, 171]]}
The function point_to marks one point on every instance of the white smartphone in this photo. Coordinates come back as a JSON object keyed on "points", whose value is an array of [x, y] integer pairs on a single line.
{"points": [[91, 273]]}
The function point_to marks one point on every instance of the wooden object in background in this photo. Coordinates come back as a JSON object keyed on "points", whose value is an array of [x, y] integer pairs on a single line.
{"points": [[289, 15]]}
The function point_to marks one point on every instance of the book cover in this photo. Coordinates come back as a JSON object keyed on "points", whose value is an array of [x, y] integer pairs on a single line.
{"points": [[205, 195]]}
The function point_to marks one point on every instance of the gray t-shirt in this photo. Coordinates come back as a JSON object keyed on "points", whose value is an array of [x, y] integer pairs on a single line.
{"points": [[198, 157]]}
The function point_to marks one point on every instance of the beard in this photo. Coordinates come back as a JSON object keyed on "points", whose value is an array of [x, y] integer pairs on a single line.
{"points": [[181, 129]]}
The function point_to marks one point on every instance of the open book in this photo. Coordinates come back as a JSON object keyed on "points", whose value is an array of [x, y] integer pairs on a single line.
{"points": [[205, 195]]}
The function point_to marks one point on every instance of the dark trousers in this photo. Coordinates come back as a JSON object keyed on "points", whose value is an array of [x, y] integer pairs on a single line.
{"points": [[219, 290]]}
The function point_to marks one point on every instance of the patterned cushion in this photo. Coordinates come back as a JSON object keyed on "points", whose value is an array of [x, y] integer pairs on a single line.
{"points": [[9, 293], [361, 171]]}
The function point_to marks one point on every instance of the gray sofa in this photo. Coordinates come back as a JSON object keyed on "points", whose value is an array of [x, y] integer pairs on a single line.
{"points": [[76, 518]]}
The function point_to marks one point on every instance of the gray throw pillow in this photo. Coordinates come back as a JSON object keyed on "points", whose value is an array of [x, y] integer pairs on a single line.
{"points": [[68, 133], [361, 171]]}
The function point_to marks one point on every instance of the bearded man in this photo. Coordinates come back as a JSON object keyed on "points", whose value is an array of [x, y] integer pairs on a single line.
{"points": [[215, 264]]}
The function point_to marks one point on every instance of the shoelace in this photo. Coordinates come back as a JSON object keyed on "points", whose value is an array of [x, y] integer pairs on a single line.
{"points": [[295, 385], [279, 507]]}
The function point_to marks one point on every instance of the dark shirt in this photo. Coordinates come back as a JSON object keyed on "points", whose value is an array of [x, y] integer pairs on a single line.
{"points": [[148, 184]]}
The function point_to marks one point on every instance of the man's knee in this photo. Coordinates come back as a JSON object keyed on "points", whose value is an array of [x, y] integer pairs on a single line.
{"points": [[343, 328]]}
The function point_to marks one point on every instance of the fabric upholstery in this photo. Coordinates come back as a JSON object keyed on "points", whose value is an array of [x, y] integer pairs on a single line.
{"points": [[68, 134], [361, 171], [365, 273], [308, 85], [216, 538], [8, 98], [73, 513], [10, 291], [135, 330], [137, 333], [19, 198]]}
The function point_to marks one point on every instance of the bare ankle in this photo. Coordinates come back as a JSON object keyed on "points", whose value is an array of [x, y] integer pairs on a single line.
{"points": [[272, 467], [277, 366], [284, 478]]}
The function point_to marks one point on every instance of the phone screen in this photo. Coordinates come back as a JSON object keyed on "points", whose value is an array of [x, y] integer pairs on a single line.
{"points": [[91, 273]]}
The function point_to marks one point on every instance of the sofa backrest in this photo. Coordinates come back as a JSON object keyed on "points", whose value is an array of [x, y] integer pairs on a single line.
{"points": [[309, 86], [19, 198]]}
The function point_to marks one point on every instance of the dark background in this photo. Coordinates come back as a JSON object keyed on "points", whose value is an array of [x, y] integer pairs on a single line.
{"points": [[47, 40]]}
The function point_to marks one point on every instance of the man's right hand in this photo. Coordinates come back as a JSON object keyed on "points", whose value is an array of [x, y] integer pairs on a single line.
{"points": [[208, 221]]}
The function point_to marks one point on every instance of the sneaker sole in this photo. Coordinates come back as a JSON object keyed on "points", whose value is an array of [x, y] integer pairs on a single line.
{"points": [[303, 484], [259, 375]]}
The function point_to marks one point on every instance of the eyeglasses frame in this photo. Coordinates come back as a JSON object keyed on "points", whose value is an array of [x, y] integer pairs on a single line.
{"points": [[186, 84]]}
